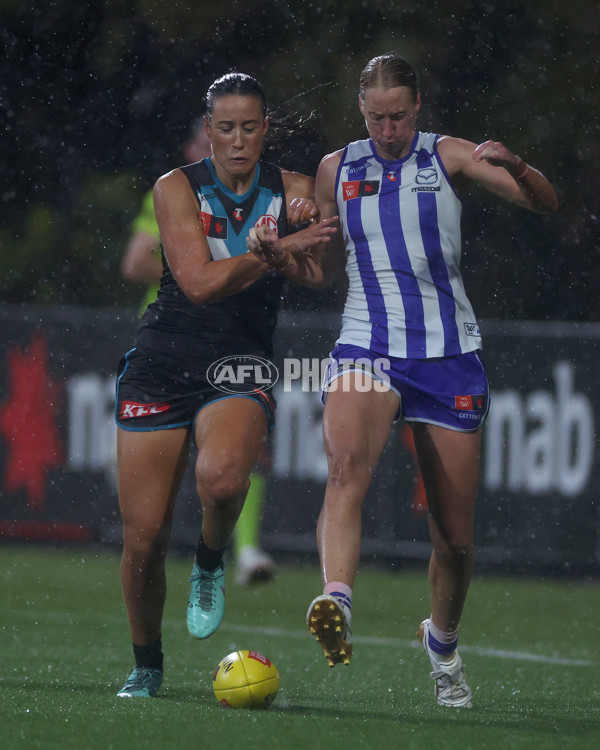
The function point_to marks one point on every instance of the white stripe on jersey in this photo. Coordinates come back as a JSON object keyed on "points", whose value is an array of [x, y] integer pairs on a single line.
{"points": [[401, 225], [218, 248]]}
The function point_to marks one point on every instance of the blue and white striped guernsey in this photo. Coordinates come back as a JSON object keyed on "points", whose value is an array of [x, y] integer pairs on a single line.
{"points": [[401, 226]]}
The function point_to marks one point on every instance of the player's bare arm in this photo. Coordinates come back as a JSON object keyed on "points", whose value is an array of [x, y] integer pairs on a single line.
{"points": [[141, 262], [313, 256], [292, 255], [200, 278], [331, 257], [497, 169]]}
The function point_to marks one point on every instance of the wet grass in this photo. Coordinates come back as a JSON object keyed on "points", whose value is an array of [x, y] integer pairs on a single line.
{"points": [[532, 650]]}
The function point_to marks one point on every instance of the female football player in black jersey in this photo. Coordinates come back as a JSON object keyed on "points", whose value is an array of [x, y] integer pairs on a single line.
{"points": [[196, 370]]}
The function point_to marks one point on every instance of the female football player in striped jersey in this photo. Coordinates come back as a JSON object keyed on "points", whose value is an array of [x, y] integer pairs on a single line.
{"points": [[409, 330]]}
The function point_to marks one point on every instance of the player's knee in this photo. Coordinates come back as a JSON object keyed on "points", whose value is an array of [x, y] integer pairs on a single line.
{"points": [[456, 553], [145, 546], [218, 485], [348, 466]]}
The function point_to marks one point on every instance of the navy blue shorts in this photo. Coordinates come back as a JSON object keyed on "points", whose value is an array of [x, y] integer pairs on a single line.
{"points": [[155, 394], [452, 392]]}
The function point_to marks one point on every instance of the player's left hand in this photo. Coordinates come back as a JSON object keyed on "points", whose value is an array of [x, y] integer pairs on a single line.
{"points": [[314, 234], [496, 154]]}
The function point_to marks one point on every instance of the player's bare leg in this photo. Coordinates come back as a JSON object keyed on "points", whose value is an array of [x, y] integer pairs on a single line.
{"points": [[449, 463], [356, 425], [229, 434], [151, 465]]}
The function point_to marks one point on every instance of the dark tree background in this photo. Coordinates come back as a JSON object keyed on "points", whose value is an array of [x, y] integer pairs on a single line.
{"points": [[96, 99]]}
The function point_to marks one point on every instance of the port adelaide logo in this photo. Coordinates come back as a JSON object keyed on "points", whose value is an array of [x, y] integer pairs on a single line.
{"points": [[242, 374]]}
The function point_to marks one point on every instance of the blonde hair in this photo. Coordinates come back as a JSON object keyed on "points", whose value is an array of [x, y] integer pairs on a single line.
{"points": [[388, 71]]}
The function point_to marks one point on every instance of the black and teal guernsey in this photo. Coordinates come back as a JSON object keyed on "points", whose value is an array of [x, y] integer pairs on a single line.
{"points": [[194, 336]]}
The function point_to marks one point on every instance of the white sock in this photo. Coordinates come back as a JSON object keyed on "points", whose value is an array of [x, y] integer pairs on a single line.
{"points": [[341, 592], [442, 643]]}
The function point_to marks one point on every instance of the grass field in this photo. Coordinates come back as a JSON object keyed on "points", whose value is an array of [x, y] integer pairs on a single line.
{"points": [[531, 647]]}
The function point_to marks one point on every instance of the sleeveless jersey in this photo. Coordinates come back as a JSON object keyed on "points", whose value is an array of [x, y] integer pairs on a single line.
{"points": [[239, 324], [401, 226]]}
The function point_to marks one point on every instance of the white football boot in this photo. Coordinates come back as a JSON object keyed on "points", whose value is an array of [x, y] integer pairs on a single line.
{"points": [[450, 682], [253, 565], [329, 621]]}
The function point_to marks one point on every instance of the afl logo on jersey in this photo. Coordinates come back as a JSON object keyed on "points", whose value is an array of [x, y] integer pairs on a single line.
{"points": [[266, 220]]}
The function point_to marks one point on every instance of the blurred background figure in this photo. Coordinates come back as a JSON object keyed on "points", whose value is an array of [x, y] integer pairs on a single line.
{"points": [[141, 264]]}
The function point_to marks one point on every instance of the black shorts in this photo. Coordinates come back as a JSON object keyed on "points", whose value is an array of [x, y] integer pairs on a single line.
{"points": [[153, 393]]}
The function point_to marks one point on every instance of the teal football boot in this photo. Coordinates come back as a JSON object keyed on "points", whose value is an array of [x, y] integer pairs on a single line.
{"points": [[142, 683], [206, 605]]}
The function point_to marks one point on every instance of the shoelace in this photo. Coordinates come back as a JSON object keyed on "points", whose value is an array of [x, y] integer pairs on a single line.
{"points": [[206, 593], [449, 682]]}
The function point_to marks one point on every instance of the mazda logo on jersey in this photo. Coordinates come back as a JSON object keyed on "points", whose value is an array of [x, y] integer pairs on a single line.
{"points": [[359, 189], [426, 176], [242, 374]]}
